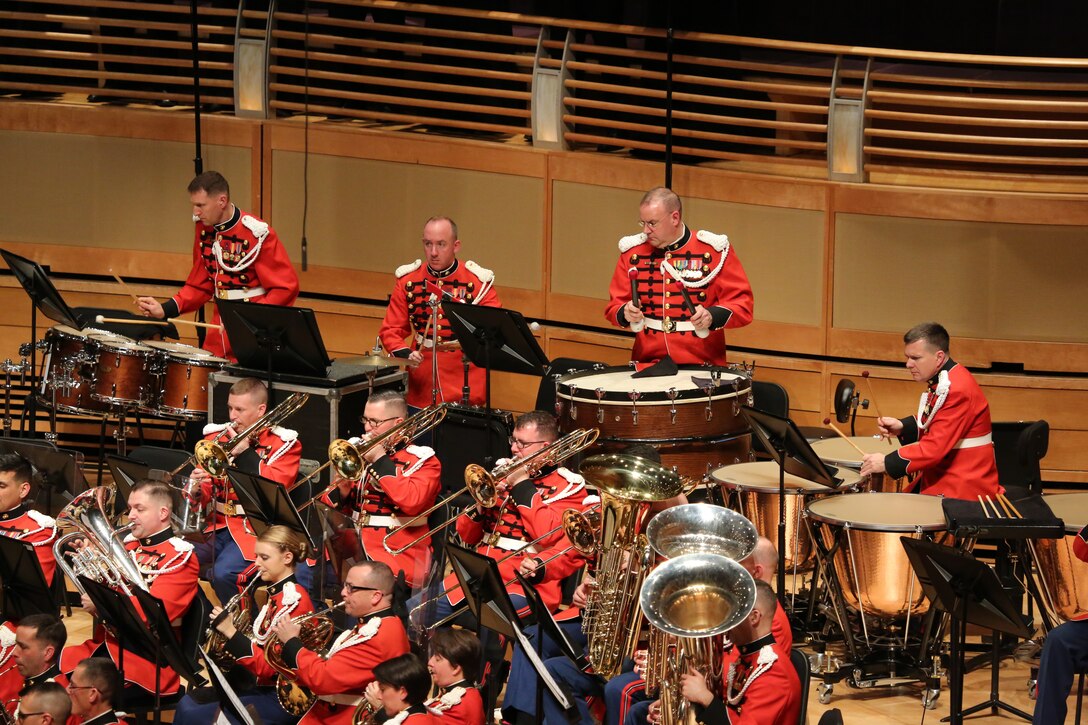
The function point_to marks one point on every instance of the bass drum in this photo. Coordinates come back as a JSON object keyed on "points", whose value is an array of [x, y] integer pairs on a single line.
{"points": [[838, 452], [1061, 576], [693, 418]]}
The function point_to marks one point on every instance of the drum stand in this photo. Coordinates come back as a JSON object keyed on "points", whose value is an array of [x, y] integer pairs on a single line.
{"points": [[10, 369]]}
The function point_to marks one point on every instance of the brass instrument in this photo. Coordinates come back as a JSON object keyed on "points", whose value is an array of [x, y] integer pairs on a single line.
{"points": [[103, 557], [484, 485], [239, 609], [611, 618], [365, 714], [695, 599], [193, 515], [6, 718], [316, 634]]}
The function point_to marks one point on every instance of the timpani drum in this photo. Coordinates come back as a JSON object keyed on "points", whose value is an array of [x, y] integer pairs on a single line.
{"points": [[68, 371], [1062, 577], [861, 532], [693, 418], [838, 452], [122, 371], [180, 380], [752, 489]]}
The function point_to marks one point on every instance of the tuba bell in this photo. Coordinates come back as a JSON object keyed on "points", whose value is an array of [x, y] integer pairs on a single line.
{"points": [[315, 635], [103, 557]]}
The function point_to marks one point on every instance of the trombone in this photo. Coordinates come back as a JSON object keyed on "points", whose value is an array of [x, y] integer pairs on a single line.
{"points": [[484, 485]]}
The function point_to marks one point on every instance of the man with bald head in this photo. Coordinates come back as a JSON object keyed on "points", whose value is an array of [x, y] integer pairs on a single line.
{"points": [[762, 564]]}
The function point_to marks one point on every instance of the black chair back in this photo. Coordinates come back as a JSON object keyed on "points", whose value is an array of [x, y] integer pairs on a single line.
{"points": [[799, 660], [1019, 447]]}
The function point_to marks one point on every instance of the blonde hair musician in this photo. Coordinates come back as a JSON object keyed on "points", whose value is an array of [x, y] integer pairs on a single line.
{"points": [[278, 552]]}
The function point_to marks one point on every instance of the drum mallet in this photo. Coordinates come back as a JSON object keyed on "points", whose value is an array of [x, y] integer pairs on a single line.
{"points": [[138, 321], [872, 399], [632, 274], [832, 426], [126, 288]]}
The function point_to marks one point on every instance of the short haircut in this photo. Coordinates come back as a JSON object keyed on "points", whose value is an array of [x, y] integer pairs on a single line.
{"points": [[545, 423], [765, 555], [211, 182], [51, 698], [378, 575], [15, 463], [48, 629], [766, 600], [453, 224], [158, 491], [101, 674], [461, 648], [251, 386], [392, 399], [408, 672], [668, 199], [932, 332], [286, 539]]}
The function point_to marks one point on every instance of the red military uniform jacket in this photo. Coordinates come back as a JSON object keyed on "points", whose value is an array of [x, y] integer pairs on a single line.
{"points": [[532, 508], [949, 443], [53, 674], [761, 686], [712, 274], [404, 484], [33, 527], [408, 316], [275, 456], [286, 599], [239, 259], [458, 704], [170, 569], [340, 679], [106, 718], [10, 679]]}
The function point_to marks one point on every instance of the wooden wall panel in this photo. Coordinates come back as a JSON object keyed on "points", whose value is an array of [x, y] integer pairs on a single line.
{"points": [[587, 223]]}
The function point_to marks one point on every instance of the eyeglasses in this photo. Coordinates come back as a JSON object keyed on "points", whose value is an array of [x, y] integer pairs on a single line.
{"points": [[522, 444], [352, 589], [650, 224], [375, 422], [24, 715], [80, 687]]}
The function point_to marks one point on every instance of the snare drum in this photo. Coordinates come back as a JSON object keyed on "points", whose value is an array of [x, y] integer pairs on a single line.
{"points": [[181, 380], [122, 371], [753, 491], [838, 452], [862, 532], [1062, 577], [68, 371]]}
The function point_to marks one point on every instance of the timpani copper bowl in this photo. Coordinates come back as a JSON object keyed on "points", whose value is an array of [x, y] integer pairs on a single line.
{"points": [[1061, 576]]}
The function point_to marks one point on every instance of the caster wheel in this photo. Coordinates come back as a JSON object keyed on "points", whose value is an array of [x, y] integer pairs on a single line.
{"points": [[929, 699], [824, 691], [1033, 690]]}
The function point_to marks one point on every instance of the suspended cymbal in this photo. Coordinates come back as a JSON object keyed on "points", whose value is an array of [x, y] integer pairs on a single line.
{"points": [[376, 361]]}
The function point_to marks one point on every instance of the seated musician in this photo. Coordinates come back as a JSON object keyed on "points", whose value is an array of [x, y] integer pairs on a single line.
{"points": [[39, 640], [168, 566], [46, 703], [92, 688], [273, 454], [340, 678], [11, 680], [405, 481], [399, 690], [17, 519], [949, 443], [454, 666], [758, 686], [279, 550], [1065, 653]]}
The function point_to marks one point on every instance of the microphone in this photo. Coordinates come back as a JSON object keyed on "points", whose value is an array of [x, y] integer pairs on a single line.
{"points": [[632, 275]]}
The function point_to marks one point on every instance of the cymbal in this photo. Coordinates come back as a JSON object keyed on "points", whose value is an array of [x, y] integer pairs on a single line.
{"points": [[377, 361]]}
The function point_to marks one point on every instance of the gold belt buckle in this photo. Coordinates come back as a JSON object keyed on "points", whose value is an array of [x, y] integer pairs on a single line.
{"points": [[493, 538], [230, 509], [667, 324], [364, 518], [221, 294]]}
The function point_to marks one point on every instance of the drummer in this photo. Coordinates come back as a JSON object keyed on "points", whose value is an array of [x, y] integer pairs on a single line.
{"points": [[668, 258], [948, 444]]}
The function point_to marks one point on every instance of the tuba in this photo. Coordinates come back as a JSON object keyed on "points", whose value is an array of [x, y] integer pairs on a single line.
{"points": [[240, 610], [315, 635], [611, 618], [103, 557]]}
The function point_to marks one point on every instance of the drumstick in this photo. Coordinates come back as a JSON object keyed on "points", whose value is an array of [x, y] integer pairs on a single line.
{"points": [[1004, 506], [983, 505], [126, 288], [829, 424], [872, 399], [990, 501], [1005, 500], [137, 321]]}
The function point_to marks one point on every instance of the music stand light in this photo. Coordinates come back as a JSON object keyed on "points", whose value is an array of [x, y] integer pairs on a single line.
{"points": [[23, 589]]}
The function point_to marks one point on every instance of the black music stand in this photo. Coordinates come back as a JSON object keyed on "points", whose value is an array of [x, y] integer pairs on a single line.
{"points": [[58, 477], [971, 593], [163, 631], [226, 696], [487, 599], [23, 589], [793, 453]]}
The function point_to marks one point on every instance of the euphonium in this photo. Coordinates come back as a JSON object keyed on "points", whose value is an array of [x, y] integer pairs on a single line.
{"points": [[611, 618], [315, 635], [6, 718], [694, 599], [240, 611], [365, 714], [103, 557]]}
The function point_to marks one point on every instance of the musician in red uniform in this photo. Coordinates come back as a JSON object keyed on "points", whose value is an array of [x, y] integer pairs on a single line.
{"points": [[11, 680], [407, 331], [167, 564], [454, 665], [399, 690], [340, 679], [18, 520], [668, 257], [236, 256], [279, 550], [274, 454], [46, 703], [39, 640], [949, 443], [92, 688]]}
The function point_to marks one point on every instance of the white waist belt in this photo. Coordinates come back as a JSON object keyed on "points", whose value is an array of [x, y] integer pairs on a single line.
{"points": [[975, 442], [507, 544], [240, 294], [677, 325], [341, 699], [443, 345], [382, 522]]}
